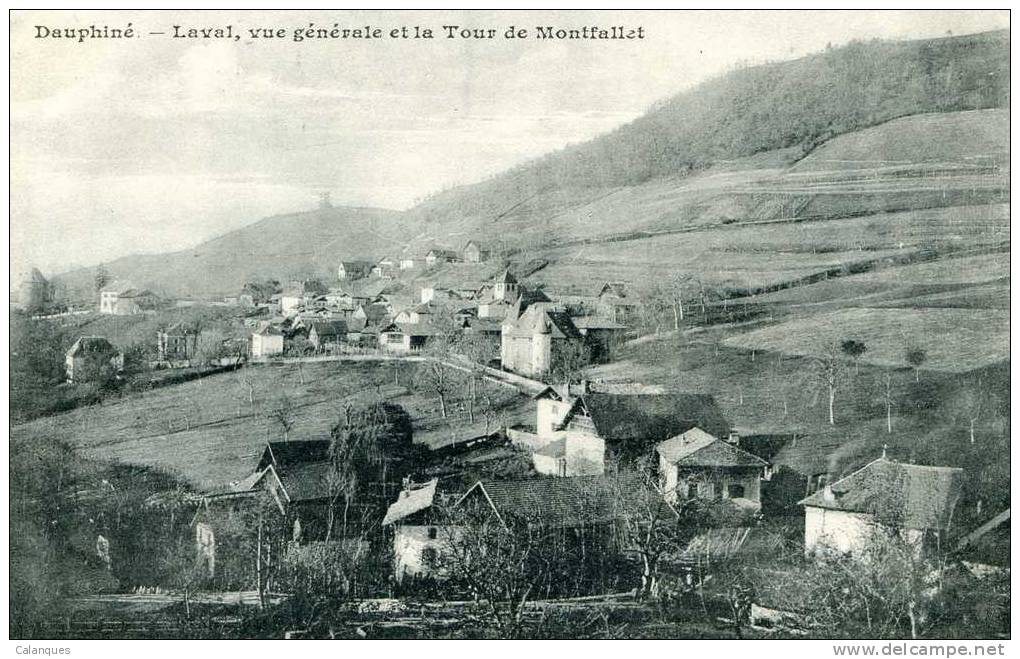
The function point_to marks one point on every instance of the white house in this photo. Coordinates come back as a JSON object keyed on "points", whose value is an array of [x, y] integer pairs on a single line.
{"points": [[266, 342], [557, 450], [697, 464], [417, 537], [915, 502]]}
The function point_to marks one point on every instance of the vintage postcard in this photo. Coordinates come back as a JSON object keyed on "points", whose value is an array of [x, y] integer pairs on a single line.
{"points": [[510, 325]]}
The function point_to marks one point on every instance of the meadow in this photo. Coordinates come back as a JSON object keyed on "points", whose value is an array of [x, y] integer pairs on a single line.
{"points": [[208, 433]]}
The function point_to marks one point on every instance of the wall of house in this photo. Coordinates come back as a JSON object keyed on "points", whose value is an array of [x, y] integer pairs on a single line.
{"points": [[263, 345], [549, 465], [549, 413], [835, 530], [715, 485], [585, 454], [409, 548]]}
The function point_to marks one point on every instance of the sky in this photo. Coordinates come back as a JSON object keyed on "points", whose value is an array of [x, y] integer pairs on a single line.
{"points": [[155, 143]]}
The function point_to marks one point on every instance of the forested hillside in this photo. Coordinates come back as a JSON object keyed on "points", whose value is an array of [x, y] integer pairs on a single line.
{"points": [[798, 104]]}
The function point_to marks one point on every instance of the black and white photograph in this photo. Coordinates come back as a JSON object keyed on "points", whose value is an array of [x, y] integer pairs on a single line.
{"points": [[508, 325]]}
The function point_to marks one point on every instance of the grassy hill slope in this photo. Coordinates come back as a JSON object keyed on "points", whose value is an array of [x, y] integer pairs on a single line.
{"points": [[283, 246]]}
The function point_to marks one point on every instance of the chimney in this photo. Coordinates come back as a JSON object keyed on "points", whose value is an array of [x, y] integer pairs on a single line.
{"points": [[734, 437], [827, 493]]}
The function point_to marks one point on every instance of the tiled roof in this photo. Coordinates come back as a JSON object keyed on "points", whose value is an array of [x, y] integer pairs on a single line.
{"points": [[696, 448], [91, 344], [545, 319], [410, 502], [594, 322], [506, 278], [552, 501], [646, 419], [906, 495]]}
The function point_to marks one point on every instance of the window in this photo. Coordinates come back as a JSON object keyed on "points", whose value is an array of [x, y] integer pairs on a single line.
{"points": [[736, 491], [433, 533]]}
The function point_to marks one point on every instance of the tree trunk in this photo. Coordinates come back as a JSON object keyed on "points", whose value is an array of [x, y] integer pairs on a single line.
{"points": [[972, 431], [442, 405], [888, 418], [832, 403]]}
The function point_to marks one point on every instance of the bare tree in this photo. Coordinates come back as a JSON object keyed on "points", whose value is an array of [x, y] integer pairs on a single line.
{"points": [[282, 413], [887, 398], [501, 560], [829, 370]]}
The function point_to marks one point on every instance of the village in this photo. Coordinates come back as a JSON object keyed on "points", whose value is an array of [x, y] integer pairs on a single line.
{"points": [[619, 487]]}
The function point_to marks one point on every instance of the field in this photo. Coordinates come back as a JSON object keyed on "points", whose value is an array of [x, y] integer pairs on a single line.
{"points": [[955, 340], [204, 431]]}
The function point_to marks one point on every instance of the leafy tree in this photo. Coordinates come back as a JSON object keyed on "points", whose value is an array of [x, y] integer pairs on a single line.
{"points": [[916, 357], [569, 361], [101, 278], [854, 350]]}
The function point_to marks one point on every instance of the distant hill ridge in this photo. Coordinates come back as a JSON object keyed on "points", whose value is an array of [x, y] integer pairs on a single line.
{"points": [[771, 115]]}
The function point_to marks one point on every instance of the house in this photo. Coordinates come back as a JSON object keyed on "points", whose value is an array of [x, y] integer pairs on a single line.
{"points": [[613, 303], [474, 252], [123, 299], [176, 344], [292, 477], [384, 267], [405, 338], [632, 425], [556, 450], [300, 293], [441, 256], [327, 334], [367, 315], [697, 464], [266, 342], [411, 261], [354, 269], [602, 335], [92, 358], [531, 342], [419, 313], [418, 533], [915, 502]]}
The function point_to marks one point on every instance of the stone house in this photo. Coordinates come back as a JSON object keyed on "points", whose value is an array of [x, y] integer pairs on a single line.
{"points": [[122, 299], [176, 344], [92, 357], [697, 464], [418, 533], [532, 341], [913, 502], [266, 342]]}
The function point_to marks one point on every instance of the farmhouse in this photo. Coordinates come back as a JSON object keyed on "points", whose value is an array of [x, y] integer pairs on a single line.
{"points": [[405, 338], [175, 344], [122, 299], [92, 358], [384, 267], [613, 303], [915, 502], [632, 425], [266, 342], [419, 313], [418, 534], [353, 269], [441, 256], [327, 334], [299, 293], [474, 252], [697, 464], [532, 341]]}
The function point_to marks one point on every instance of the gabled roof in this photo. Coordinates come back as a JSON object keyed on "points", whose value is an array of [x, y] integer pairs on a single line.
{"points": [[411, 501], [551, 501], [506, 278], [357, 264], [284, 455], [117, 286], [617, 288], [696, 448], [898, 494], [445, 253], [91, 345], [595, 323], [329, 327], [647, 419], [268, 330]]}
